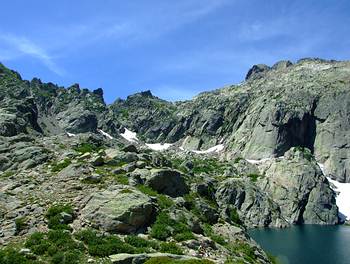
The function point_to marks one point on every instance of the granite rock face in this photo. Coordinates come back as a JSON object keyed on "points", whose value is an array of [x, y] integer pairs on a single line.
{"points": [[119, 210], [298, 186], [303, 104]]}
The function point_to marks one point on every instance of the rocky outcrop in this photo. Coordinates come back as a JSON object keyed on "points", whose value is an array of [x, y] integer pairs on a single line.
{"points": [[298, 186], [254, 207], [279, 107], [166, 181], [119, 210]]}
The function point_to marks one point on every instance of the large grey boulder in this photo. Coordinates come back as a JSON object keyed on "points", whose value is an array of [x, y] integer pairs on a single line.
{"points": [[167, 181], [119, 210]]}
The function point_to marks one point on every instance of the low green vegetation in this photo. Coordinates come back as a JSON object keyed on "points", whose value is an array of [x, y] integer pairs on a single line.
{"points": [[253, 177], [11, 256], [57, 246], [147, 190], [122, 179], [101, 246], [170, 247], [58, 166], [21, 224], [234, 217], [86, 147], [208, 166], [165, 227], [54, 216], [306, 153], [208, 231], [163, 201], [141, 245], [244, 250]]}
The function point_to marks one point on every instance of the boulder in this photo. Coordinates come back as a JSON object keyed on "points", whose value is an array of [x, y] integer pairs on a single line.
{"points": [[119, 210], [167, 181]]}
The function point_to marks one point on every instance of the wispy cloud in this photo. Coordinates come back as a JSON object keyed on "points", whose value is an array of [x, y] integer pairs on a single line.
{"points": [[140, 26], [20, 46]]}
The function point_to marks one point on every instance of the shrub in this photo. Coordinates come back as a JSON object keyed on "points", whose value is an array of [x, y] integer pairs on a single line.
{"points": [[86, 147], [11, 256], [139, 242], [21, 224], [58, 244], [234, 217], [165, 227], [253, 177], [164, 202], [122, 179], [54, 216], [147, 190], [56, 167], [208, 231], [244, 250], [170, 247], [102, 246], [187, 235]]}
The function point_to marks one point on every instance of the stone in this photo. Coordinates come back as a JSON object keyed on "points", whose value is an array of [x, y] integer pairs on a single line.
{"points": [[130, 148], [119, 210], [167, 181]]}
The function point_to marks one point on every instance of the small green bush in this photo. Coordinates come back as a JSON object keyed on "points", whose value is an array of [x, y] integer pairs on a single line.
{"points": [[170, 247], [54, 216], [147, 190], [122, 179], [234, 217], [57, 244], [164, 202], [165, 227], [253, 177], [208, 231], [56, 167], [21, 224], [102, 246], [86, 147], [187, 235], [244, 250], [11, 256]]}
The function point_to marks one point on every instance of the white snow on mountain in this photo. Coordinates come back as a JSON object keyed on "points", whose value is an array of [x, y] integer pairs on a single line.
{"points": [[343, 195], [216, 148], [159, 146], [129, 135], [104, 134]]}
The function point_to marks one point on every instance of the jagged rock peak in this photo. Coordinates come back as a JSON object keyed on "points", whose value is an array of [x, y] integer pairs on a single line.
{"points": [[257, 71], [146, 94]]}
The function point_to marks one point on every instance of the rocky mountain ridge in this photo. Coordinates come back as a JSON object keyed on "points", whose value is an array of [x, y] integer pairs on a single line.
{"points": [[242, 156]]}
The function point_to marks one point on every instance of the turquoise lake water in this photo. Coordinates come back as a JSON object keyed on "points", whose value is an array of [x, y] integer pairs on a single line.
{"points": [[306, 244]]}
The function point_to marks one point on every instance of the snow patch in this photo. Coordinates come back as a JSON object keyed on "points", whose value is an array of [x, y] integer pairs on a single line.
{"points": [[342, 199], [158, 146], [216, 148], [70, 134], [104, 134], [261, 160], [129, 135], [258, 161]]}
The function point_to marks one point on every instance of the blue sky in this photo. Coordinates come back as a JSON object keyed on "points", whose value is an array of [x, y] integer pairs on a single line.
{"points": [[174, 48]]}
